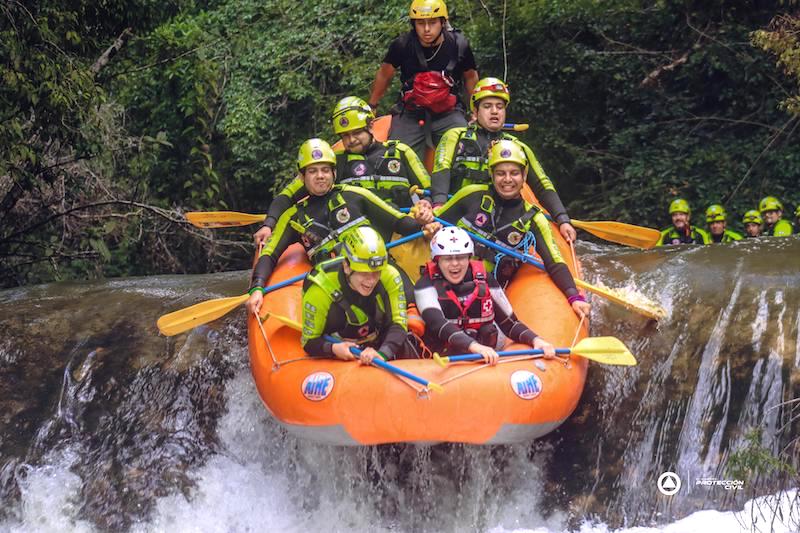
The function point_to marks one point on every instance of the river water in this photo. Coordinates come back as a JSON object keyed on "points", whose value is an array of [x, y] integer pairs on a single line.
{"points": [[107, 426]]}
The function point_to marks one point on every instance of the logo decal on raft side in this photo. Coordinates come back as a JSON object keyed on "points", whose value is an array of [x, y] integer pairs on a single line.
{"points": [[525, 384], [317, 386], [394, 166], [359, 169], [481, 219]]}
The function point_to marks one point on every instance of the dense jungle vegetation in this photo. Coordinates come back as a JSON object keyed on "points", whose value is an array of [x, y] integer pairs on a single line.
{"points": [[117, 116]]}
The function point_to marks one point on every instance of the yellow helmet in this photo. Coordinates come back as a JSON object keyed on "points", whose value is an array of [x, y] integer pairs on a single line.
{"points": [[507, 151], [770, 203], [427, 9], [315, 151], [715, 213], [679, 205], [752, 217], [797, 212], [351, 113], [489, 87], [364, 249]]}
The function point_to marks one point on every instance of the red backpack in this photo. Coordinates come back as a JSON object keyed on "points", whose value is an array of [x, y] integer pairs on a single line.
{"points": [[431, 91]]}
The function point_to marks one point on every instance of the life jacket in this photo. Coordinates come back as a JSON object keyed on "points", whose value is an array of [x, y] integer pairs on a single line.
{"points": [[319, 238], [483, 224], [434, 91], [782, 227], [672, 236], [470, 162], [387, 179], [361, 328], [472, 313]]}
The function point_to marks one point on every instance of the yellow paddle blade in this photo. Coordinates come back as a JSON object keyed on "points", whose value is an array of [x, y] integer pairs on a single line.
{"points": [[411, 255], [607, 350], [619, 232], [294, 324], [643, 305], [441, 361], [221, 219], [201, 313]]}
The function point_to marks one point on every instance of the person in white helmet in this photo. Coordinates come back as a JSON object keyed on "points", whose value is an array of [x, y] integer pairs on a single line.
{"points": [[463, 305]]}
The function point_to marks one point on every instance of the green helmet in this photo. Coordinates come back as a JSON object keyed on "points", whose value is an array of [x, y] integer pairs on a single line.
{"points": [[489, 87], [351, 113], [715, 213], [752, 217], [364, 249], [507, 151], [770, 203], [679, 205], [315, 151]]}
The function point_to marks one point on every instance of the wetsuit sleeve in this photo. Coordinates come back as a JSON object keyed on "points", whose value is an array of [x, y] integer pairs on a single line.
{"points": [[284, 200], [417, 174], [547, 249], [436, 323], [396, 318], [383, 217], [504, 315], [543, 188], [442, 164], [281, 238], [316, 312], [461, 203]]}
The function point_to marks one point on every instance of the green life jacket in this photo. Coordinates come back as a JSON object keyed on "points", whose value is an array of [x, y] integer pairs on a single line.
{"points": [[387, 177], [320, 238], [470, 162], [361, 328]]}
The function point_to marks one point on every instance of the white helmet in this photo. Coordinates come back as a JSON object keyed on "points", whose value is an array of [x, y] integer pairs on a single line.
{"points": [[451, 241]]}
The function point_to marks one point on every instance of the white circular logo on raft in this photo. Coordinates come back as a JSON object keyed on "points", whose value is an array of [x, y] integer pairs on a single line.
{"points": [[526, 385], [317, 386]]}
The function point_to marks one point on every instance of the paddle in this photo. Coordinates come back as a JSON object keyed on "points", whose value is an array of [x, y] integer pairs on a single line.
{"points": [[650, 310], [222, 219], [204, 312], [355, 351], [606, 350]]}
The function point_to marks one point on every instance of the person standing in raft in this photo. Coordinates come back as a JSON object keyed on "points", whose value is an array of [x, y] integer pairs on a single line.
{"points": [[388, 169], [772, 212], [716, 218], [463, 305], [359, 300], [681, 231], [752, 224], [499, 213], [318, 220], [462, 155], [435, 62]]}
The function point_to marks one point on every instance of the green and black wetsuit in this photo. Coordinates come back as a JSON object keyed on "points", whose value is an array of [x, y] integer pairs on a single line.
{"points": [[332, 307], [691, 235], [479, 209], [462, 158]]}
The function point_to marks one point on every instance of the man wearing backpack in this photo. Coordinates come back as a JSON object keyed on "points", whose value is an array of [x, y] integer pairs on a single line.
{"points": [[436, 65]]}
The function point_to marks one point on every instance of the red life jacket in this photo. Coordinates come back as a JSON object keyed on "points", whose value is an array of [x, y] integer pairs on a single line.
{"points": [[431, 91], [477, 308]]}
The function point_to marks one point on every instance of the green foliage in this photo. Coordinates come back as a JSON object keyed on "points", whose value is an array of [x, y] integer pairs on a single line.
{"points": [[782, 39], [754, 460]]}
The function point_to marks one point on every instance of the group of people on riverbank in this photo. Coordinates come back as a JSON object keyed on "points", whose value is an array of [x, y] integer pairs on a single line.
{"points": [[346, 205], [767, 220]]}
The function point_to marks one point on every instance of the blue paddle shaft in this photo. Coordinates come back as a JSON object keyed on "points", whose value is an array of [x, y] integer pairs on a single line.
{"points": [[383, 364], [500, 248], [507, 353]]}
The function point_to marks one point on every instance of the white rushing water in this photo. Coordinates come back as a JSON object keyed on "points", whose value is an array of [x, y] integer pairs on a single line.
{"points": [[263, 480]]}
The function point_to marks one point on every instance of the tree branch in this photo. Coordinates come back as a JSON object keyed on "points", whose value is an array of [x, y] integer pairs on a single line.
{"points": [[111, 51]]}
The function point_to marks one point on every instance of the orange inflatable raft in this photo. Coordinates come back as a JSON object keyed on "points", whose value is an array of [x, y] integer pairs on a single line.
{"points": [[344, 403]]}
